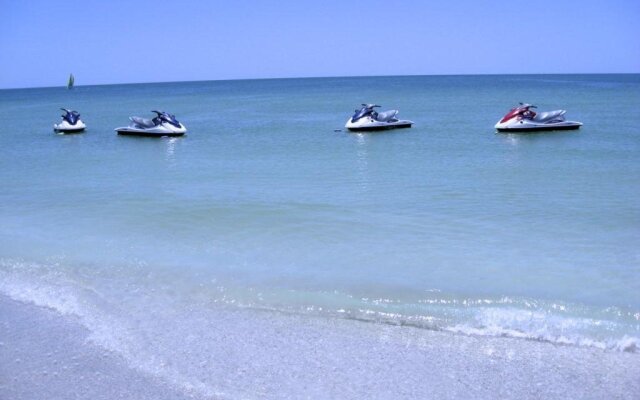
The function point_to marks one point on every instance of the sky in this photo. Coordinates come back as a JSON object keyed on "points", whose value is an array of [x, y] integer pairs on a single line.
{"points": [[107, 42]]}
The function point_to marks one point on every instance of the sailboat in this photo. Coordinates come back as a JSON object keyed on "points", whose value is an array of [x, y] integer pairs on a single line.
{"points": [[70, 82]]}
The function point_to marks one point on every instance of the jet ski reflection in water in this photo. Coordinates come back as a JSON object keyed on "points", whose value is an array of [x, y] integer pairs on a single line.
{"points": [[71, 122], [164, 124], [524, 119], [368, 119]]}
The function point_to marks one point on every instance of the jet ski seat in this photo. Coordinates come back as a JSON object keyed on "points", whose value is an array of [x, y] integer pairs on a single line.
{"points": [[549, 115], [143, 122], [386, 116]]}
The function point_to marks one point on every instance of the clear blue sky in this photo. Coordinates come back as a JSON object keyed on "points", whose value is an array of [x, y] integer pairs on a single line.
{"points": [[115, 41]]}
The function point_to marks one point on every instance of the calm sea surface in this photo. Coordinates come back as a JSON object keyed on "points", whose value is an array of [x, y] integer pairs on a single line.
{"points": [[263, 205]]}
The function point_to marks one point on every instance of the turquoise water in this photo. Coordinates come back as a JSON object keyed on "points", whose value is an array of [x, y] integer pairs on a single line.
{"points": [[265, 206]]}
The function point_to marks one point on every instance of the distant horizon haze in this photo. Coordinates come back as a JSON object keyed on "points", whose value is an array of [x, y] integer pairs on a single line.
{"points": [[64, 84]]}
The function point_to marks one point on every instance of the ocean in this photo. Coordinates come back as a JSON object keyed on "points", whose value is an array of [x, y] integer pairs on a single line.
{"points": [[269, 253]]}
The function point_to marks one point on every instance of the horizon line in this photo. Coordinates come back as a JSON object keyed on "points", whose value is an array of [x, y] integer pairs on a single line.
{"points": [[321, 77]]}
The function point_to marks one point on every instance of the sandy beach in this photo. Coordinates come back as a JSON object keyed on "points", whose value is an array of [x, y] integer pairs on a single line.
{"points": [[42, 352], [283, 357]]}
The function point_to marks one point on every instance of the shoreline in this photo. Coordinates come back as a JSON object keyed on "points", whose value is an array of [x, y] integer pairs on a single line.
{"points": [[264, 355], [46, 355]]}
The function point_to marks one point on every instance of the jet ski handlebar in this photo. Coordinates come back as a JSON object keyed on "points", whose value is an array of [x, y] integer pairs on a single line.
{"points": [[69, 112]]}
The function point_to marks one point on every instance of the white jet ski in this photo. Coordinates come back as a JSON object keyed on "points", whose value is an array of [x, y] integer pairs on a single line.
{"points": [[164, 124], [523, 119], [368, 119], [71, 122]]}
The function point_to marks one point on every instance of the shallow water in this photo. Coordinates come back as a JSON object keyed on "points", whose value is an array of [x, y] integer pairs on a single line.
{"points": [[264, 206]]}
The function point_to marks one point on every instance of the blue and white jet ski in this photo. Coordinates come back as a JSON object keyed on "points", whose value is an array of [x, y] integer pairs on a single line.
{"points": [[368, 119], [71, 122], [164, 124]]}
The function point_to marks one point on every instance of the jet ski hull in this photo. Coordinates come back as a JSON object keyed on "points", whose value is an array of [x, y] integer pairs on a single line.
{"points": [[147, 133], [369, 124], [530, 127], [64, 127], [382, 127], [67, 131]]}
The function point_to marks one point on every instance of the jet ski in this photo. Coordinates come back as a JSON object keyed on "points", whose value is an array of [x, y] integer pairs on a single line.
{"points": [[524, 119], [368, 119], [164, 124], [71, 122]]}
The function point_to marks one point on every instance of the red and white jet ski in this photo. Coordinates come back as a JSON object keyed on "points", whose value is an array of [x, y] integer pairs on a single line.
{"points": [[524, 119]]}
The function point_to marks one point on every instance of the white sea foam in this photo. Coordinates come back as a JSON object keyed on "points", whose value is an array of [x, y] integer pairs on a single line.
{"points": [[48, 286]]}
